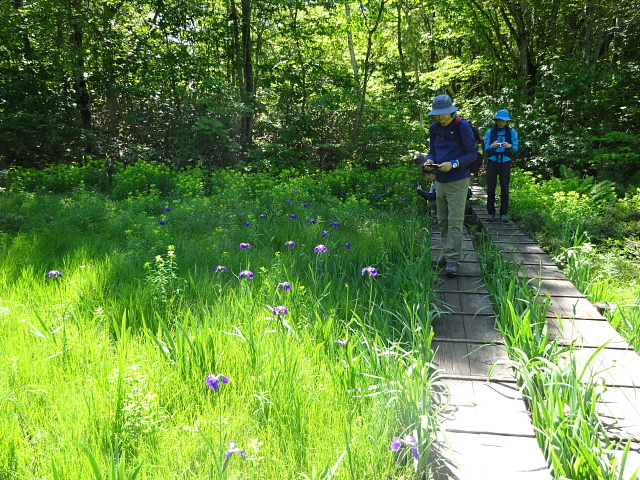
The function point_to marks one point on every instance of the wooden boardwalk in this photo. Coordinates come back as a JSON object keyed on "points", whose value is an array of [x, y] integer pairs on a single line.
{"points": [[572, 319], [487, 431]]}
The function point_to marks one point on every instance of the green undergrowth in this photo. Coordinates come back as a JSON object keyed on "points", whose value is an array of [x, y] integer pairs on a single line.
{"points": [[305, 301]]}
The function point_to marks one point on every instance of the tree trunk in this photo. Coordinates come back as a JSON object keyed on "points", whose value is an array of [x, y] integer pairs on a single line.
{"points": [[248, 92]]}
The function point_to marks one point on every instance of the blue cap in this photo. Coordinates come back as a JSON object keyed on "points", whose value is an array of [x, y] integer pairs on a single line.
{"points": [[442, 105], [502, 115]]}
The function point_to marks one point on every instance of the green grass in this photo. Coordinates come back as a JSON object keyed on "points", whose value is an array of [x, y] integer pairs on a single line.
{"points": [[103, 369]]}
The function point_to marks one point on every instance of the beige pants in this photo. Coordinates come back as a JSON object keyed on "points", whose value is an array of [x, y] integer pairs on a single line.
{"points": [[451, 200]]}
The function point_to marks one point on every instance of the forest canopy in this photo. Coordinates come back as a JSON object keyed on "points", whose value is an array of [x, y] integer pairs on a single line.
{"points": [[264, 84]]}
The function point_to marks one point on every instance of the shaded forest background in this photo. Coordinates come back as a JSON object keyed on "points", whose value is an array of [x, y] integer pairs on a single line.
{"points": [[260, 84]]}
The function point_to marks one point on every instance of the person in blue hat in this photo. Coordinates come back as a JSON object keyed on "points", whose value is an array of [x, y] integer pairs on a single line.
{"points": [[501, 143], [452, 150]]}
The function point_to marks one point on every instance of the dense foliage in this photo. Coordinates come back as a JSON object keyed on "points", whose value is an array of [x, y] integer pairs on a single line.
{"points": [[269, 85]]}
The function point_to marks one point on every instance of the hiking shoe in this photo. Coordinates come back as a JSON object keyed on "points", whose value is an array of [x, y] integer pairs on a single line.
{"points": [[491, 218], [504, 218], [441, 262], [451, 270]]}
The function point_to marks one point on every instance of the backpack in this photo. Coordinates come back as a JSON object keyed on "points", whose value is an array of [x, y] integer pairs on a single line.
{"points": [[479, 161], [493, 136]]}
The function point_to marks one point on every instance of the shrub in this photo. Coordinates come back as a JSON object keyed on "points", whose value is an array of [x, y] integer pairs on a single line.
{"points": [[142, 177]]}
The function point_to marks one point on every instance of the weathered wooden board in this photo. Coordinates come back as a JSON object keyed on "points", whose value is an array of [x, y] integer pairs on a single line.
{"points": [[452, 358], [521, 248], [495, 457], [559, 287], [573, 307], [456, 302], [480, 328], [614, 367], [620, 411], [543, 271], [535, 259], [586, 332], [477, 407], [466, 359]]}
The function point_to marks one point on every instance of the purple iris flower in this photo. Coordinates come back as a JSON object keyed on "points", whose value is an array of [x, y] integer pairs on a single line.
{"points": [[292, 216], [370, 270], [246, 274], [214, 381], [167, 209], [348, 245], [220, 268], [294, 191], [247, 224], [245, 246], [290, 243], [54, 273], [335, 224], [320, 248], [325, 233], [285, 285], [233, 449], [261, 216], [305, 205], [163, 222], [408, 441], [313, 221], [407, 185], [289, 201], [280, 310]]}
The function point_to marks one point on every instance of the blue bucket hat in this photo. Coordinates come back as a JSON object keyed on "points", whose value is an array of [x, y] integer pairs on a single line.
{"points": [[502, 115], [442, 105]]}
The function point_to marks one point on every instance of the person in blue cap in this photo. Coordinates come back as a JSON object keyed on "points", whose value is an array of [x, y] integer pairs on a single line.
{"points": [[501, 143], [452, 150]]}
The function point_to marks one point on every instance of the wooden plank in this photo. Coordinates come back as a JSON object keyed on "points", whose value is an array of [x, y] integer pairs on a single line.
{"points": [[620, 411], [454, 302], [481, 328], [573, 307], [481, 361], [467, 327], [586, 332], [535, 259], [452, 358], [449, 326], [614, 367], [464, 292], [525, 248], [544, 271], [494, 457], [479, 407], [558, 287], [472, 284]]}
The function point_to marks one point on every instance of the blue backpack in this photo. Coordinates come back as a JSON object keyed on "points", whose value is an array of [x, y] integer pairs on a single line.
{"points": [[493, 136]]}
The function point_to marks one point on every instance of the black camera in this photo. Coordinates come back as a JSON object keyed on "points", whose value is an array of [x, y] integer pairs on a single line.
{"points": [[420, 160]]}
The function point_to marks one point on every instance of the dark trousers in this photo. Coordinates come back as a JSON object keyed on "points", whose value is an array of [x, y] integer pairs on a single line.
{"points": [[495, 170]]}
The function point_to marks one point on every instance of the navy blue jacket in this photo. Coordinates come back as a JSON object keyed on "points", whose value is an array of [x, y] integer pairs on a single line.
{"points": [[444, 147]]}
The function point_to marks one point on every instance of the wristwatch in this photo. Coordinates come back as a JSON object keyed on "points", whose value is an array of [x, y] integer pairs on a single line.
{"points": [[454, 164]]}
